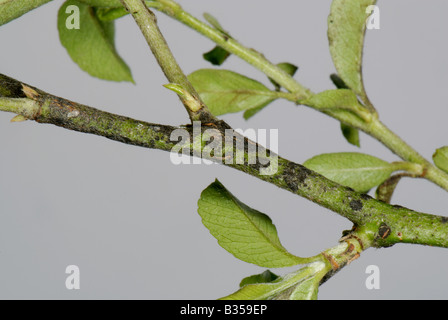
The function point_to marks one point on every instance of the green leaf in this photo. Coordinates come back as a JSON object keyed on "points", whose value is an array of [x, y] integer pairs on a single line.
{"points": [[385, 191], [264, 277], [92, 46], [358, 171], [299, 285], [110, 14], [346, 31], [334, 99], [216, 56], [12, 9], [350, 134], [225, 91], [102, 3], [289, 68], [440, 158], [215, 23], [244, 232], [251, 112], [338, 82]]}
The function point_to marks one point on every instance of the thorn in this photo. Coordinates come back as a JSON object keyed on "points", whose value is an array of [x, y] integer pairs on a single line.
{"points": [[18, 118], [189, 100], [29, 92]]}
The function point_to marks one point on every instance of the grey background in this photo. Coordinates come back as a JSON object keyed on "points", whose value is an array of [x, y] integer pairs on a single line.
{"points": [[127, 216]]}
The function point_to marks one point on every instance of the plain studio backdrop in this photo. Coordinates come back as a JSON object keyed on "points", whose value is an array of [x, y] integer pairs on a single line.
{"points": [[127, 216]]}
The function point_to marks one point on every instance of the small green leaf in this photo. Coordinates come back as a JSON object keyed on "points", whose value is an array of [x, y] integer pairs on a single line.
{"points": [[346, 31], [264, 277], [102, 3], [216, 56], [299, 285], [12, 9], [225, 91], [385, 191], [244, 232], [334, 99], [215, 23], [110, 14], [350, 134], [306, 290], [440, 158], [92, 46], [289, 68], [338, 82], [358, 171], [251, 112]]}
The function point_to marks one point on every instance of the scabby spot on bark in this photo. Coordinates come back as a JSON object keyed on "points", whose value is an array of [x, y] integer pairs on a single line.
{"points": [[356, 205], [384, 231], [294, 175]]}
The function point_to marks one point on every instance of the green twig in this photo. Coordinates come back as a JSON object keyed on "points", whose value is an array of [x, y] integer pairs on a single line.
{"points": [[147, 22]]}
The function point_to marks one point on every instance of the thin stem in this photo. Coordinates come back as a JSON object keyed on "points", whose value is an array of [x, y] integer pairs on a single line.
{"points": [[383, 134], [147, 22], [251, 56]]}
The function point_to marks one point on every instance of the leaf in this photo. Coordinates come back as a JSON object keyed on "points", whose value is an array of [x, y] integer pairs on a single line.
{"points": [[251, 112], [346, 31], [289, 68], [12, 9], [299, 285], [92, 45], [350, 134], [385, 191], [440, 158], [225, 91], [358, 171], [110, 14], [215, 23], [102, 3], [334, 99], [338, 82], [216, 56], [244, 232], [264, 277]]}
